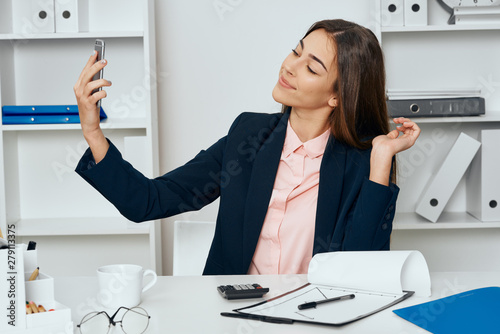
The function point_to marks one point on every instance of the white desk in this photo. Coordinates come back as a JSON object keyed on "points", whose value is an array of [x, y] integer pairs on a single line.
{"points": [[192, 304]]}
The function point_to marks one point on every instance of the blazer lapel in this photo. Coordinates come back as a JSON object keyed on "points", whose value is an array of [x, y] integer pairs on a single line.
{"points": [[329, 194], [260, 188]]}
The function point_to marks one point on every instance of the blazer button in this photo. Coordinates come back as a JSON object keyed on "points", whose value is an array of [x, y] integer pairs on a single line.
{"points": [[388, 216], [384, 226], [391, 208]]}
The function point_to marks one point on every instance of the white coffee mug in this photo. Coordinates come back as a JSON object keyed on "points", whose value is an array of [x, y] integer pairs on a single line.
{"points": [[121, 285]]}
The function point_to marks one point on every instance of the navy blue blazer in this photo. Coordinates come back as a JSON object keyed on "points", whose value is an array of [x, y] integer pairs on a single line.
{"points": [[353, 213]]}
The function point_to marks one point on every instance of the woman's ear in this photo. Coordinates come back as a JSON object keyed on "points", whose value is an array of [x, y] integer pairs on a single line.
{"points": [[332, 102]]}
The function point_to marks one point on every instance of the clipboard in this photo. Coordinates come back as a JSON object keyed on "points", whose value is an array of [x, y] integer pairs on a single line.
{"points": [[284, 308], [378, 279], [43, 114]]}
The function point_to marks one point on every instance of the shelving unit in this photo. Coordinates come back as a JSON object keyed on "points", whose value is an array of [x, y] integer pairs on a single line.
{"points": [[39, 191], [441, 56]]}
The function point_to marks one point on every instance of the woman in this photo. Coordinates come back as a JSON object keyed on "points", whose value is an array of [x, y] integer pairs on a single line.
{"points": [[314, 178]]}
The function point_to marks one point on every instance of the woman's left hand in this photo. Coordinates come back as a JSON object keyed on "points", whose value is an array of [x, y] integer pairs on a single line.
{"points": [[384, 147], [393, 142]]}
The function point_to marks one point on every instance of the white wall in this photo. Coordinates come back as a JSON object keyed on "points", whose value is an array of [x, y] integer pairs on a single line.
{"points": [[218, 58]]}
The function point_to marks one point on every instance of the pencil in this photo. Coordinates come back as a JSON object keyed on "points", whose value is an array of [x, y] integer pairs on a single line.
{"points": [[28, 309], [1, 235], [35, 274], [41, 308], [33, 307]]}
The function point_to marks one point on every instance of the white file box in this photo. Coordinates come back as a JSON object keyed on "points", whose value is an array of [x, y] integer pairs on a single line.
{"points": [[33, 16], [392, 13], [440, 188], [415, 12], [483, 181], [66, 14]]}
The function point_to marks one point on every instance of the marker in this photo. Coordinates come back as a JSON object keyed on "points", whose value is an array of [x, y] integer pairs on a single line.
{"points": [[31, 245], [318, 302], [35, 274]]}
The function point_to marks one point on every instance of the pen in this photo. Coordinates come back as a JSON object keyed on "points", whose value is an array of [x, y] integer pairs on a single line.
{"points": [[314, 304], [35, 274], [275, 320]]}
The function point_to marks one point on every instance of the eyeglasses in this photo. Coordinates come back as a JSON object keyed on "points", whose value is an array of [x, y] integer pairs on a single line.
{"points": [[134, 321]]}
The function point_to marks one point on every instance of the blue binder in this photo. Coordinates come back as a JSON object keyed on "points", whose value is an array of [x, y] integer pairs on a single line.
{"points": [[46, 114], [474, 311]]}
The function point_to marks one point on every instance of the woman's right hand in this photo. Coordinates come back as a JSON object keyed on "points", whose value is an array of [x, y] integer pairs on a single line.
{"points": [[87, 106]]}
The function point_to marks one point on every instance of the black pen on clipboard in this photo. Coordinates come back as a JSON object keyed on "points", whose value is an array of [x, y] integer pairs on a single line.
{"points": [[305, 306]]}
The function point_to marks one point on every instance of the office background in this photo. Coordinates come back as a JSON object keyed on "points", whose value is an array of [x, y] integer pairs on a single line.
{"points": [[218, 58]]}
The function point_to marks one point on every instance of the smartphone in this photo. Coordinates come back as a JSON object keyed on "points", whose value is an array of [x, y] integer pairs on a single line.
{"points": [[99, 48]]}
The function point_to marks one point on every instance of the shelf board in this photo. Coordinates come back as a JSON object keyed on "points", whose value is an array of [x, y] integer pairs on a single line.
{"points": [[130, 123], [79, 226], [447, 220], [71, 35], [459, 119], [451, 27]]}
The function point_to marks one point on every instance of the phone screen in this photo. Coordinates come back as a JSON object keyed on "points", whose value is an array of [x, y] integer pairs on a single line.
{"points": [[99, 48]]}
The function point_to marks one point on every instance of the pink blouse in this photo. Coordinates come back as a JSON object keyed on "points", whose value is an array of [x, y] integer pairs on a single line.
{"points": [[286, 240]]}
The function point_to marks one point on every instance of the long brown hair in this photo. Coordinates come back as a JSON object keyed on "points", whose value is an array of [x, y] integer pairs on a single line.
{"points": [[361, 112]]}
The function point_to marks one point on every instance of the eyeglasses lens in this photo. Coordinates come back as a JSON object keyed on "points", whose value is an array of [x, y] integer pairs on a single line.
{"points": [[135, 321], [95, 323]]}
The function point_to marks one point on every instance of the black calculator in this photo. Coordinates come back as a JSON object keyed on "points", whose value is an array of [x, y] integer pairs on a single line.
{"points": [[242, 291]]}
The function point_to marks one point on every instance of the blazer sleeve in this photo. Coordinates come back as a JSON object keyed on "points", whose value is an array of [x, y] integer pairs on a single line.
{"points": [[138, 198], [369, 223]]}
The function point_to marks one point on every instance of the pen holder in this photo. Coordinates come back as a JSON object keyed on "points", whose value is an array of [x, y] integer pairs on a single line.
{"points": [[41, 289], [30, 259]]}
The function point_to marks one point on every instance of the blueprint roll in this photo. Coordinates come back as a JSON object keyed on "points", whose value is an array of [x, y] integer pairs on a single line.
{"points": [[483, 181], [415, 13], [440, 188], [392, 13]]}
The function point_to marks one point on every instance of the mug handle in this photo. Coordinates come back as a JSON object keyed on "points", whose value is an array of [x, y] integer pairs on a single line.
{"points": [[150, 284]]}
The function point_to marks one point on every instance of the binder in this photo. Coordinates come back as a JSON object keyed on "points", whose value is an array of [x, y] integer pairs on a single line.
{"points": [[415, 12], [474, 311], [392, 13], [483, 181], [66, 14], [32, 16], [45, 114], [440, 188], [436, 107], [377, 279]]}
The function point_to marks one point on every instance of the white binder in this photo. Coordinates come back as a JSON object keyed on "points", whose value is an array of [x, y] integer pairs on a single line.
{"points": [[440, 188], [415, 12], [392, 13], [32, 17], [483, 181], [66, 14]]}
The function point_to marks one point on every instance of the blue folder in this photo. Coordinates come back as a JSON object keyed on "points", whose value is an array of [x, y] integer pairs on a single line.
{"points": [[474, 311], [46, 114]]}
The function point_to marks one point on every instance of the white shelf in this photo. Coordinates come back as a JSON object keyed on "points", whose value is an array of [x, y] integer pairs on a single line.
{"points": [[129, 123], [434, 28], [79, 226], [458, 119], [447, 220], [93, 34]]}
